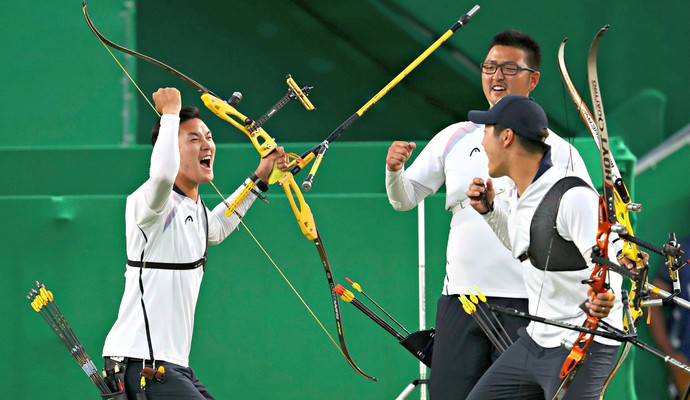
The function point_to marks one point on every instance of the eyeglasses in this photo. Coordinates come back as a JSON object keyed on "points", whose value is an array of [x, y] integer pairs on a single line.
{"points": [[506, 68]]}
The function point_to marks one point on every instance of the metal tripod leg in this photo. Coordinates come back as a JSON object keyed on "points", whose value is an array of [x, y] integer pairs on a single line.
{"points": [[411, 387]]}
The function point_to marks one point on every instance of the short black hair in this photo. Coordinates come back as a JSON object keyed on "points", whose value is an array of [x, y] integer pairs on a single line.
{"points": [[531, 146], [186, 113], [522, 41]]}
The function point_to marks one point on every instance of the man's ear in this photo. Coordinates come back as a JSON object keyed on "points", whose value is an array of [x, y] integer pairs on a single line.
{"points": [[534, 80], [507, 137]]}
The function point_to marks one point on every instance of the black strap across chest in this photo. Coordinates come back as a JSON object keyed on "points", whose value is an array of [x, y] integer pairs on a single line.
{"points": [[177, 266], [547, 248], [144, 264]]}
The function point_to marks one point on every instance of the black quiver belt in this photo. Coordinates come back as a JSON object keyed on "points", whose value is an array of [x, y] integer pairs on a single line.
{"points": [[115, 379]]}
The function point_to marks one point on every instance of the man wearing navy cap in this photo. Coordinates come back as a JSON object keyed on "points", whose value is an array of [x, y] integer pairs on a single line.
{"points": [[474, 256], [551, 228]]}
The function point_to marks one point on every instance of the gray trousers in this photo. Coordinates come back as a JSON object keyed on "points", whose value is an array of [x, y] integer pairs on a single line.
{"points": [[180, 383], [462, 352], [529, 371]]}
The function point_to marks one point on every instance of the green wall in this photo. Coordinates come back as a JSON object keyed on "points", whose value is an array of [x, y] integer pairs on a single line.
{"points": [[253, 338], [73, 146], [250, 329]]}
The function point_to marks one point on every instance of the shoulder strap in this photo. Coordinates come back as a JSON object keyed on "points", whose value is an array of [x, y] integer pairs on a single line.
{"points": [[545, 241], [174, 266]]}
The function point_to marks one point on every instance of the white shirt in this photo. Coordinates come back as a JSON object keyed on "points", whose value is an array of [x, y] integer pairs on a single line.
{"points": [[557, 295], [165, 226], [474, 255]]}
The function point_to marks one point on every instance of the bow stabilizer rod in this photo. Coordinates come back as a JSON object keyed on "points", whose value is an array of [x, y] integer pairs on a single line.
{"points": [[320, 149]]}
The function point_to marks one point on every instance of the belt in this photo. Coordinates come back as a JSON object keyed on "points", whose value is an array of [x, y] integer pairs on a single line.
{"points": [[130, 360], [156, 265]]}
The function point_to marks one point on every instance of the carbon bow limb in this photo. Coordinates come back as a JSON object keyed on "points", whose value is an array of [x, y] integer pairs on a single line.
{"points": [[607, 209], [622, 206]]}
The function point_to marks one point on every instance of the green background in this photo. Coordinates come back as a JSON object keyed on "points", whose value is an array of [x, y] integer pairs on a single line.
{"points": [[75, 142]]}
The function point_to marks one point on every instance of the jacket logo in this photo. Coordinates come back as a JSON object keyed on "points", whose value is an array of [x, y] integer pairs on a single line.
{"points": [[189, 219], [475, 149]]}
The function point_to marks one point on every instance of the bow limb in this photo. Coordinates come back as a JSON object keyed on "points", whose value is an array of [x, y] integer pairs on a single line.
{"points": [[618, 211], [622, 205], [305, 219], [196, 85], [261, 140], [598, 278]]}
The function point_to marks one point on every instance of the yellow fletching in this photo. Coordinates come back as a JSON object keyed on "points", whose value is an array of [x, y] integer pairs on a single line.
{"points": [[480, 294], [473, 297], [472, 306], [466, 304], [347, 296], [460, 299]]}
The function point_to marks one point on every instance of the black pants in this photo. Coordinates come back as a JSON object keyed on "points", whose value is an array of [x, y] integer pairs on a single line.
{"points": [[529, 371], [180, 383], [462, 352]]}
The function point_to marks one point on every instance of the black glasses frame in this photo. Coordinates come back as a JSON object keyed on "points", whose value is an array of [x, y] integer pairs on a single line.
{"points": [[491, 68]]}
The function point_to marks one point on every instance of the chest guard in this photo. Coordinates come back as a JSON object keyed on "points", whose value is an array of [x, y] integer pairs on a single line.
{"points": [[547, 249]]}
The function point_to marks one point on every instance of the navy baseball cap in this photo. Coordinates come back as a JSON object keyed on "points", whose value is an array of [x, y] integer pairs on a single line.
{"points": [[520, 113]]}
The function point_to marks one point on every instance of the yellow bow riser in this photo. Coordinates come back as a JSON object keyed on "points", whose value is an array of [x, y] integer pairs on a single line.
{"points": [[629, 251], [302, 212], [260, 139]]}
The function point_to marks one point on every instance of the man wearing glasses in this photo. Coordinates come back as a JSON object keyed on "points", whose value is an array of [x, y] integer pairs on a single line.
{"points": [[474, 256]]}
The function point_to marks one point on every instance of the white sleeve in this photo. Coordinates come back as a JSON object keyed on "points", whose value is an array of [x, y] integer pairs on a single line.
{"points": [[408, 187], [165, 163], [578, 219], [498, 221], [404, 194]]}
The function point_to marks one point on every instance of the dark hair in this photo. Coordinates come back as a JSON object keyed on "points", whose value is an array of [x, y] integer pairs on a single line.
{"points": [[522, 41], [531, 146], [186, 113]]}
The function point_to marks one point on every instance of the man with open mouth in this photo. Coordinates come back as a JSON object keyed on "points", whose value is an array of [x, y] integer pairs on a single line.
{"points": [[168, 230]]}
